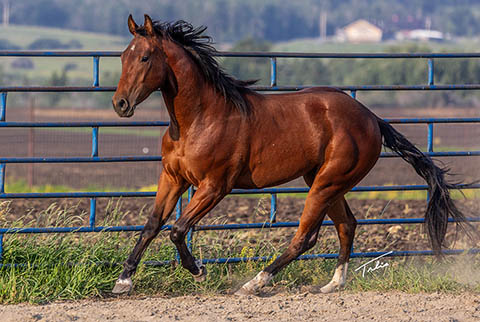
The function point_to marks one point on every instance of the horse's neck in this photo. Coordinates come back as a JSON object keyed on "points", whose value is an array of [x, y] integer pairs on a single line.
{"points": [[193, 93]]}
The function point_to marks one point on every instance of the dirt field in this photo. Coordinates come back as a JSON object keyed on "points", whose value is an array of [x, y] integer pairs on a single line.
{"points": [[306, 306]]}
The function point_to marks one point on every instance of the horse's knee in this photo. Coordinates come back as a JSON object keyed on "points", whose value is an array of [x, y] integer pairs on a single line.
{"points": [[151, 230], [177, 234]]}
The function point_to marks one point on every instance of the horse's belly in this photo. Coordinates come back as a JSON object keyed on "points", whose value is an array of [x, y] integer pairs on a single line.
{"points": [[276, 169]]}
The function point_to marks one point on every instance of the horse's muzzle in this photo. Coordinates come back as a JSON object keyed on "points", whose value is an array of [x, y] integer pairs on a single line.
{"points": [[122, 107]]}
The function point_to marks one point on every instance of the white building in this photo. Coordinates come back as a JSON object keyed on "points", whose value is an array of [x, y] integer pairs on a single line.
{"points": [[419, 34], [360, 31]]}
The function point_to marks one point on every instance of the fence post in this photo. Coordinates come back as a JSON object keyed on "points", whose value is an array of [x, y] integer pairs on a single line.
{"points": [[430, 137], [190, 232], [273, 71], [430, 71], [93, 201], [177, 215], [93, 211], [1, 248], [96, 71], [95, 141], [273, 208], [3, 106], [2, 178], [429, 146], [3, 112]]}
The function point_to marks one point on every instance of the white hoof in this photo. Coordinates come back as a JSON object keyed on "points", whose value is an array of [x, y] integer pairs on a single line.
{"points": [[202, 275], [338, 280], [329, 288], [244, 292], [255, 284], [122, 286]]}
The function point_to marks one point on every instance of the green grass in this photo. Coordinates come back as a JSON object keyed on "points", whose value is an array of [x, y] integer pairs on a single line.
{"points": [[24, 35], [77, 266], [21, 186], [453, 274], [314, 45]]}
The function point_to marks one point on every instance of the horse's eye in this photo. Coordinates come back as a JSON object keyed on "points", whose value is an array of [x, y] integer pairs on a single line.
{"points": [[144, 58]]}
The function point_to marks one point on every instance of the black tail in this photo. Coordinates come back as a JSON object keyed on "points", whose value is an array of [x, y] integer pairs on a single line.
{"points": [[440, 205]]}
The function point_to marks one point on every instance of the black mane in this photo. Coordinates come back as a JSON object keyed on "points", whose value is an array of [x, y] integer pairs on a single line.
{"points": [[199, 47]]}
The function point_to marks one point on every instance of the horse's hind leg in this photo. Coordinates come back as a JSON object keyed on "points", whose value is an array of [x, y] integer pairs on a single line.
{"points": [[345, 224], [325, 189]]}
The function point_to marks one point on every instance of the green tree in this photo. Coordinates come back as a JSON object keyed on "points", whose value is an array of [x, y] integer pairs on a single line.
{"points": [[249, 68]]}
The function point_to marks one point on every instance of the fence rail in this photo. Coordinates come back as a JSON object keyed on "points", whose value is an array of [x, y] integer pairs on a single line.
{"points": [[272, 56]]}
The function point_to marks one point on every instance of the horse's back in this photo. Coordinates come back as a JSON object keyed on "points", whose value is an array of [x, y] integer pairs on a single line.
{"points": [[318, 111], [291, 133]]}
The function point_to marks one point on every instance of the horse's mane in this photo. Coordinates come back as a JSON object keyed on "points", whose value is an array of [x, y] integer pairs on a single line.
{"points": [[199, 47]]}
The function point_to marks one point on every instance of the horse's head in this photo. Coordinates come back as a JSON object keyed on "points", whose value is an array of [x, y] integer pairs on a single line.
{"points": [[144, 68]]}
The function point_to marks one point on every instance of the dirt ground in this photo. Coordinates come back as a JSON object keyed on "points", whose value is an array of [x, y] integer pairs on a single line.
{"points": [[305, 306]]}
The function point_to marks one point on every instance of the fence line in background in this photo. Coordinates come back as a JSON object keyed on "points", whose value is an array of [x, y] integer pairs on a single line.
{"points": [[272, 56]]}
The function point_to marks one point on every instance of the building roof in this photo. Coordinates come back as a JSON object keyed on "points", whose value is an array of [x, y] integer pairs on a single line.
{"points": [[360, 31], [362, 25]]}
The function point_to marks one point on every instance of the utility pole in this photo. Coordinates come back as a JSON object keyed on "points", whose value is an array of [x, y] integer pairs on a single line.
{"points": [[6, 12], [428, 23], [323, 25]]}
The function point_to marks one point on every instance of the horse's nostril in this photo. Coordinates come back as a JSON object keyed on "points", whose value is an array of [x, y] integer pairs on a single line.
{"points": [[123, 104]]}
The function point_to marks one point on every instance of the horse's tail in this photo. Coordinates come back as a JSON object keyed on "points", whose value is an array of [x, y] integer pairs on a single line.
{"points": [[440, 205]]}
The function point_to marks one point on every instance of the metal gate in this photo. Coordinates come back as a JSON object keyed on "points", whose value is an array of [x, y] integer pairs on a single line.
{"points": [[273, 192]]}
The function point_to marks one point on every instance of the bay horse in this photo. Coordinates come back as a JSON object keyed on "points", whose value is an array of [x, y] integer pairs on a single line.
{"points": [[223, 135]]}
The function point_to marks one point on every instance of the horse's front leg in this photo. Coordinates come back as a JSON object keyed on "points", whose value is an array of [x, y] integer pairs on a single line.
{"points": [[169, 190], [205, 198]]}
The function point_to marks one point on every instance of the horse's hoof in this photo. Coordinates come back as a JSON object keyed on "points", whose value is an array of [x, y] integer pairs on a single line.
{"points": [[202, 275], [329, 288], [244, 292], [122, 286]]}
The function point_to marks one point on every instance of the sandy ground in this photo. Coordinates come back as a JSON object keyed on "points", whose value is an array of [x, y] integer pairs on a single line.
{"points": [[309, 306]]}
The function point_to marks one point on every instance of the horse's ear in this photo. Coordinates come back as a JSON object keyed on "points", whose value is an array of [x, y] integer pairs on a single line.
{"points": [[148, 24], [132, 26]]}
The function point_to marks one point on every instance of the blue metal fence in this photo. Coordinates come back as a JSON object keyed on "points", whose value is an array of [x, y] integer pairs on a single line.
{"points": [[95, 158]]}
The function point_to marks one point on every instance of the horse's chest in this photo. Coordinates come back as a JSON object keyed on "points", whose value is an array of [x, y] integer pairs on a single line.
{"points": [[195, 164]]}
